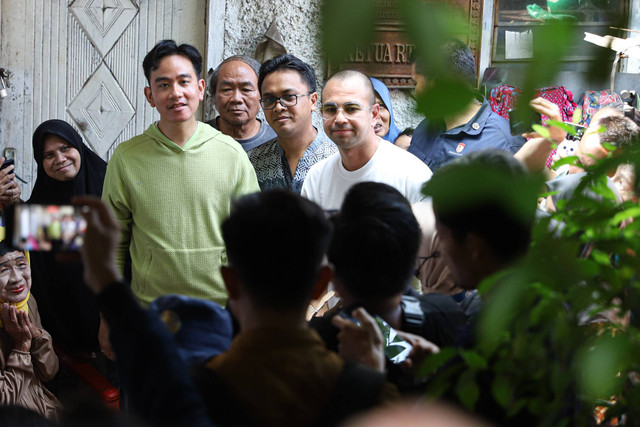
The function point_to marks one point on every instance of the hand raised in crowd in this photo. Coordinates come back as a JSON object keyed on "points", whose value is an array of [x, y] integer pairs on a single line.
{"points": [[18, 326], [100, 243], [552, 111], [9, 189], [99, 255], [361, 343]]}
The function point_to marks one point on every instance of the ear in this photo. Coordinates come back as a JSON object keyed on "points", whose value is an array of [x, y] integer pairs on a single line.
{"points": [[149, 96], [375, 114], [230, 278], [322, 283], [314, 101], [201, 86]]}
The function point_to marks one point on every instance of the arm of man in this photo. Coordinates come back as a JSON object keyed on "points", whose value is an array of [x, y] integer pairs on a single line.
{"points": [[246, 182], [115, 196], [151, 370]]}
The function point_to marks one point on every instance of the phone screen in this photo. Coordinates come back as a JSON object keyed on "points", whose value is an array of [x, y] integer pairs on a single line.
{"points": [[521, 120], [48, 227], [396, 348]]}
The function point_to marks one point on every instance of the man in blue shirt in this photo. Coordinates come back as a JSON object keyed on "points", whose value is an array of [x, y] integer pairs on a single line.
{"points": [[473, 128]]}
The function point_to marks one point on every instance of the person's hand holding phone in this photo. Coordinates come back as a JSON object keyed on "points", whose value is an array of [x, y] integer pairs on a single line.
{"points": [[100, 243], [361, 343], [552, 111], [9, 189], [420, 351]]}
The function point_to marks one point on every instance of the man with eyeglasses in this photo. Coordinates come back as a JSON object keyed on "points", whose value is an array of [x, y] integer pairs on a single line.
{"points": [[288, 98], [349, 112]]}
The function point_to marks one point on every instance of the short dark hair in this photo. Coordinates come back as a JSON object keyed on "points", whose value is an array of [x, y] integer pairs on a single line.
{"points": [[620, 131], [288, 62], [251, 62], [276, 240], [457, 62], [408, 132], [488, 193], [166, 48], [375, 241], [347, 74]]}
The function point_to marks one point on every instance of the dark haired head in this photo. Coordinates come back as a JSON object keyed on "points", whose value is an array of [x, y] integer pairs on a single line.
{"points": [[276, 241], [408, 132], [488, 193], [252, 63], [375, 242], [288, 62], [166, 48], [457, 62], [348, 74]]}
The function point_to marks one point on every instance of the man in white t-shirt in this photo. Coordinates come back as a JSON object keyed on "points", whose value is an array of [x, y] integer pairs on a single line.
{"points": [[349, 111]]}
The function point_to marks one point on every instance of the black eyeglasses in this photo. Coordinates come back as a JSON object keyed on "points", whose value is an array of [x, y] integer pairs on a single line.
{"points": [[288, 100]]}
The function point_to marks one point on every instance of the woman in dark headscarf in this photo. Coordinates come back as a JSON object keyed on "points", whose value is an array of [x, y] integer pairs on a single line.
{"points": [[386, 128], [66, 167]]}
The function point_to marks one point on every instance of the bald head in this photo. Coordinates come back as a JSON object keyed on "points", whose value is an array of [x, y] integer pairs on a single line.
{"points": [[341, 76]]}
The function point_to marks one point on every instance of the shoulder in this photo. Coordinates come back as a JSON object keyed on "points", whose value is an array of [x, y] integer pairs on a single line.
{"points": [[324, 166], [268, 149], [220, 139]]}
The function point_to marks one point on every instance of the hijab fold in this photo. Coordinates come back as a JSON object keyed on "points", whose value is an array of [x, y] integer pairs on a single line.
{"points": [[383, 92]]}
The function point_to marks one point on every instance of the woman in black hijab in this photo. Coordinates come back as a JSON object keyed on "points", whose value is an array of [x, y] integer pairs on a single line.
{"points": [[66, 168]]}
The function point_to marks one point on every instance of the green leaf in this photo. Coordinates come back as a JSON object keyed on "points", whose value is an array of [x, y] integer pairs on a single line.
{"points": [[467, 390], [444, 99], [632, 212], [345, 25], [569, 160], [501, 390], [435, 361], [542, 130], [474, 360], [601, 364]]}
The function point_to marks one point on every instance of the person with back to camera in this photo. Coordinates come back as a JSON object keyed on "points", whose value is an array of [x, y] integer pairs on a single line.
{"points": [[66, 168], [27, 359]]}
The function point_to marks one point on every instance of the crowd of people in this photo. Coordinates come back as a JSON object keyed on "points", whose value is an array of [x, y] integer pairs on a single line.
{"points": [[335, 259]]}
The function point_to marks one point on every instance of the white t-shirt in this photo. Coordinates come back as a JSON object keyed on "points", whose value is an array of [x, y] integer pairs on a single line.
{"points": [[328, 181]]}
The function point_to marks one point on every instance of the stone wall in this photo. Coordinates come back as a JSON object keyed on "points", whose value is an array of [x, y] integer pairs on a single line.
{"points": [[246, 21]]}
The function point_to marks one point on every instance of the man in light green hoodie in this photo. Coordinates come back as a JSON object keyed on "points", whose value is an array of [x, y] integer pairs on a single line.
{"points": [[171, 187]]}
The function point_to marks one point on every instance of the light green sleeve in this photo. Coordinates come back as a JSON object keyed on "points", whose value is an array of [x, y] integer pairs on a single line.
{"points": [[115, 196]]}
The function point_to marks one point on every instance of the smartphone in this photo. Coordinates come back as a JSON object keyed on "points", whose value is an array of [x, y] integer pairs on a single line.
{"points": [[396, 348], [579, 129], [521, 120], [46, 227], [9, 157]]}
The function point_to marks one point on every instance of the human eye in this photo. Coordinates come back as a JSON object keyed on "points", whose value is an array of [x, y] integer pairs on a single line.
{"points": [[64, 148], [289, 97], [48, 155], [268, 102], [329, 109], [352, 108]]}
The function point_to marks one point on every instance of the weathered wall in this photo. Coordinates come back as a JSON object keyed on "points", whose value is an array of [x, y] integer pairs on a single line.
{"points": [[298, 20]]}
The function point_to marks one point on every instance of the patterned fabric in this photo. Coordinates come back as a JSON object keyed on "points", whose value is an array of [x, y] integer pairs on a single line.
{"points": [[593, 99], [272, 167], [503, 98]]}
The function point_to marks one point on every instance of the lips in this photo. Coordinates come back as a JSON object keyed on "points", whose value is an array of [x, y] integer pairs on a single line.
{"points": [[17, 290], [65, 167], [177, 106]]}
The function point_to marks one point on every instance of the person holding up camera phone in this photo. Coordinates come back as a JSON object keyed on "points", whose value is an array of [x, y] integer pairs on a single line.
{"points": [[9, 189]]}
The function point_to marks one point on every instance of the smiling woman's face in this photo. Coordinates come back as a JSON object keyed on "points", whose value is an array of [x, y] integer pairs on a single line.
{"points": [[15, 277], [59, 159]]}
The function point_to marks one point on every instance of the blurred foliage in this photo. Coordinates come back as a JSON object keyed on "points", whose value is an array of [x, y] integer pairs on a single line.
{"points": [[559, 332]]}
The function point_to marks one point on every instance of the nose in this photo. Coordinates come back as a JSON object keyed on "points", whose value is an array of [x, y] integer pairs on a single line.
{"points": [[236, 96], [59, 157], [279, 105], [341, 117], [176, 90], [13, 275]]}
